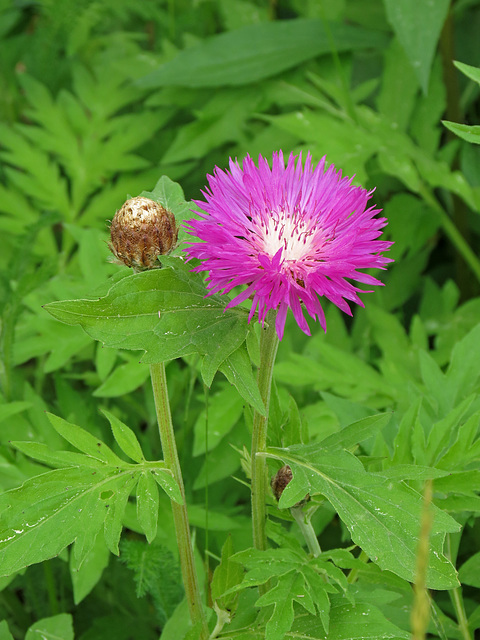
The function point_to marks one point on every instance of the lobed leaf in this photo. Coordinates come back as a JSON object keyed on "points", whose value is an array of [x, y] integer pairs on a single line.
{"points": [[383, 516]]}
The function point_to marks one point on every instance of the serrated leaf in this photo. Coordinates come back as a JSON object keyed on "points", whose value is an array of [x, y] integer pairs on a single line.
{"points": [[45, 514], [163, 312], [147, 505], [383, 517], [257, 51], [125, 437], [157, 572], [289, 589], [298, 579], [347, 622], [84, 441]]}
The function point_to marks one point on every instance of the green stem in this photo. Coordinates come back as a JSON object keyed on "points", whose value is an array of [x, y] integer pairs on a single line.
{"points": [[457, 599], [353, 575], [180, 516], [453, 233], [304, 522], [51, 590], [268, 351]]}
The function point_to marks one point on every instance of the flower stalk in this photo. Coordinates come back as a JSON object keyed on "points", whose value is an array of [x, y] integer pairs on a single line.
{"points": [[268, 351], [180, 516]]}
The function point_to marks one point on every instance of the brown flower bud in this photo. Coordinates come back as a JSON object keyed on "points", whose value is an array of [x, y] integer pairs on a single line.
{"points": [[280, 481], [141, 231]]}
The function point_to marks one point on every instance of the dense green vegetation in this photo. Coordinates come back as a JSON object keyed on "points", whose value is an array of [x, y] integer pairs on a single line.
{"points": [[100, 101]]}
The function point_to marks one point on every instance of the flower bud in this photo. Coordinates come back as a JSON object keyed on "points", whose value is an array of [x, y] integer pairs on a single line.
{"points": [[141, 231], [280, 481]]}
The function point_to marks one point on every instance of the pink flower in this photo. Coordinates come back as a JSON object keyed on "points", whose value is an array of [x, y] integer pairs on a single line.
{"points": [[290, 234]]}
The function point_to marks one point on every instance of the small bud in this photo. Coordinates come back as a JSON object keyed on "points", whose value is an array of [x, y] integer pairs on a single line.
{"points": [[280, 481], [141, 231]]}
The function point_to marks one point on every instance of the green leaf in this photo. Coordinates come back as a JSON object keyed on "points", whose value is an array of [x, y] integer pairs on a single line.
{"points": [[164, 478], [57, 459], [113, 523], [291, 588], [12, 408], [125, 437], [163, 312], [470, 133], [471, 72], [347, 622], [156, 572], [238, 371], [469, 572], [147, 505], [256, 52], [418, 26], [355, 433], [383, 517], [48, 512], [298, 579], [4, 631], [123, 380], [227, 574], [87, 575], [224, 410], [84, 441], [53, 628]]}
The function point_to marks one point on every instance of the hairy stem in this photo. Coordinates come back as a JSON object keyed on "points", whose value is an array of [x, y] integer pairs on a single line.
{"points": [[180, 516], [268, 351]]}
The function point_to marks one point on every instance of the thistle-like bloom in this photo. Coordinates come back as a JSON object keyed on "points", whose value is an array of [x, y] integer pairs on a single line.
{"points": [[290, 234]]}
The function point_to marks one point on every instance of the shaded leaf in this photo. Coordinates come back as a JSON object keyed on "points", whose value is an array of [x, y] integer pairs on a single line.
{"points": [[418, 26], [256, 52]]}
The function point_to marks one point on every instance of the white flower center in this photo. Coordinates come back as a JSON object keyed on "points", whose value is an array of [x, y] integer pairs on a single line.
{"points": [[290, 233]]}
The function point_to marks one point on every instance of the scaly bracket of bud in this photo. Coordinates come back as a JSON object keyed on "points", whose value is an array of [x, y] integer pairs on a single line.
{"points": [[141, 231]]}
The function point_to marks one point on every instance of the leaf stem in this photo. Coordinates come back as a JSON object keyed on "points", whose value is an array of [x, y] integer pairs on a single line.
{"points": [[180, 516], [305, 524], [268, 351]]}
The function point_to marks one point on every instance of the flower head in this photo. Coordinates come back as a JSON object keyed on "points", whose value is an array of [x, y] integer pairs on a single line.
{"points": [[291, 234], [141, 231]]}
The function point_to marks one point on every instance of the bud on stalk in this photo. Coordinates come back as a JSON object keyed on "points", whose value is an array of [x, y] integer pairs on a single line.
{"points": [[141, 231]]}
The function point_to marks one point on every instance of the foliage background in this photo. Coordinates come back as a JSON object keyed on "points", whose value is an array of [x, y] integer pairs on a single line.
{"points": [[97, 101]]}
